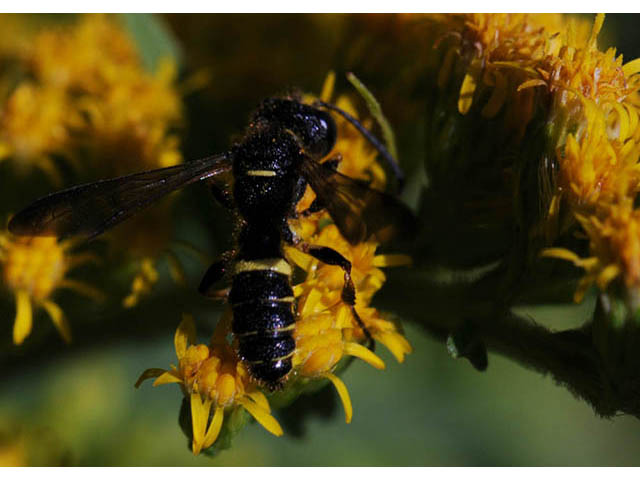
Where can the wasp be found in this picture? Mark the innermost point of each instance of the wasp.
(261, 179)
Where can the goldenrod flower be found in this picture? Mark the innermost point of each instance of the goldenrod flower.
(125, 135)
(129, 113)
(86, 56)
(551, 132)
(91, 101)
(588, 92)
(326, 330)
(130, 116)
(88, 78)
(615, 247)
(596, 115)
(33, 269)
(145, 241)
(215, 381)
(34, 125)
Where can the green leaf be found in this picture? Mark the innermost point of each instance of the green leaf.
(376, 111)
(153, 37)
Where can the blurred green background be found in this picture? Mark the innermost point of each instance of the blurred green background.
(431, 410)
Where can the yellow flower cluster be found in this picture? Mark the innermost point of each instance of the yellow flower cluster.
(33, 269)
(326, 330)
(598, 162)
(90, 91)
(502, 53)
(214, 378)
(525, 66)
(88, 100)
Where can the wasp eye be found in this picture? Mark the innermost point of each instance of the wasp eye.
(330, 133)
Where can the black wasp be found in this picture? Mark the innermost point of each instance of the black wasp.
(262, 178)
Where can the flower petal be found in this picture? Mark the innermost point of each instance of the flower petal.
(299, 258)
(167, 377)
(467, 90)
(564, 254)
(24, 317)
(536, 82)
(176, 270)
(58, 319)
(185, 334)
(83, 289)
(260, 399)
(607, 275)
(149, 373)
(263, 417)
(363, 353)
(631, 68)
(214, 429)
(498, 96)
(391, 260)
(396, 343)
(199, 418)
(341, 388)
(327, 86)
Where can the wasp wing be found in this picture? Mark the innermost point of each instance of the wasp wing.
(358, 210)
(88, 210)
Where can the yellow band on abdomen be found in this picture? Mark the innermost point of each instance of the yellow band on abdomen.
(261, 173)
(278, 265)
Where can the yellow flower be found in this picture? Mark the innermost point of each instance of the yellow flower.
(595, 102)
(33, 269)
(34, 124)
(614, 241)
(128, 112)
(130, 115)
(91, 100)
(590, 93)
(358, 156)
(145, 241)
(565, 137)
(85, 56)
(215, 381)
(88, 79)
(326, 329)
(501, 54)
(130, 121)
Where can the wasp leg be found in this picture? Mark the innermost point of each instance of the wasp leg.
(213, 275)
(331, 257)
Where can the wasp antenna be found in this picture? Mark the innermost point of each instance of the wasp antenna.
(372, 139)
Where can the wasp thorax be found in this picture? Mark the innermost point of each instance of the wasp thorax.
(315, 129)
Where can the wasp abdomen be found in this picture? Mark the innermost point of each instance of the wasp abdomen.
(263, 321)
